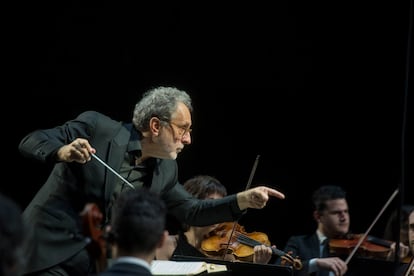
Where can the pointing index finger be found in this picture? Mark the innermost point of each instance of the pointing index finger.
(275, 193)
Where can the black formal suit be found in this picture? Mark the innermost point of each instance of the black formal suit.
(126, 269)
(54, 211)
(306, 247)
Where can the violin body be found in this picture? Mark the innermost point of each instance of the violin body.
(230, 238)
(222, 241)
(367, 249)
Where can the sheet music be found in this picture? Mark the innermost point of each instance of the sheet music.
(164, 267)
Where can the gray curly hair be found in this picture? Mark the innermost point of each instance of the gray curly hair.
(158, 102)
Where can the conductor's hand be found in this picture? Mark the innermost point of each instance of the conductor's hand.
(78, 151)
(256, 197)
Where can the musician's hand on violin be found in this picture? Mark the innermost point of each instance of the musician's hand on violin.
(78, 151)
(404, 250)
(257, 197)
(262, 254)
(334, 264)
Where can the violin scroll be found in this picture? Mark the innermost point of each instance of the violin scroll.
(288, 259)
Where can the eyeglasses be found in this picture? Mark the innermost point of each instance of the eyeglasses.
(182, 131)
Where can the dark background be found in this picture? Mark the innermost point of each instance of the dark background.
(318, 91)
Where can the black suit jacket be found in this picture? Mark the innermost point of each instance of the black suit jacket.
(305, 247)
(54, 211)
(126, 269)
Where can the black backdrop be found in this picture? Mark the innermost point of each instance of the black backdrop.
(316, 90)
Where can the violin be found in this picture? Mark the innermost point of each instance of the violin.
(241, 244)
(97, 248)
(371, 247)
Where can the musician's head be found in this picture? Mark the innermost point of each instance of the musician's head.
(138, 223)
(205, 187)
(397, 224)
(331, 210)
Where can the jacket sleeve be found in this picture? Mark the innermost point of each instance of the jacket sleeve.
(197, 212)
(43, 144)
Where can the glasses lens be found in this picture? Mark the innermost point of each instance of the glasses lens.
(181, 130)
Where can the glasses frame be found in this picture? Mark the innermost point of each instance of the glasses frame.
(182, 130)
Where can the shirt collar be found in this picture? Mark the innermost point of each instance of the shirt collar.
(321, 237)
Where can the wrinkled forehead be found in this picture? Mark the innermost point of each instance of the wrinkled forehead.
(182, 114)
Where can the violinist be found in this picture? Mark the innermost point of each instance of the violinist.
(411, 232)
(333, 220)
(391, 232)
(188, 242)
(410, 270)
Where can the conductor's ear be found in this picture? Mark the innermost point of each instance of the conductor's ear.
(155, 125)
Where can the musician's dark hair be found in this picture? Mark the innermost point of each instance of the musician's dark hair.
(325, 193)
(138, 221)
(392, 228)
(201, 186)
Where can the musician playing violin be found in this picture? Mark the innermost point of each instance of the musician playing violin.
(188, 241)
(332, 216)
(391, 231)
(324, 251)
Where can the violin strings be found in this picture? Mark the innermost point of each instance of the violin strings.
(249, 241)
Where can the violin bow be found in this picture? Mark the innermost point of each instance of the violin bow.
(108, 167)
(362, 238)
(249, 182)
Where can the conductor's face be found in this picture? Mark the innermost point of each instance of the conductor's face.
(174, 134)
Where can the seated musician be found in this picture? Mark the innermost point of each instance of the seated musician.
(188, 242)
(332, 217)
(411, 240)
(319, 254)
(391, 232)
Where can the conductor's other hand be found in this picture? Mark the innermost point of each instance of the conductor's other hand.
(257, 197)
(78, 151)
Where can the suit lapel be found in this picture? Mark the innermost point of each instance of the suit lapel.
(115, 157)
